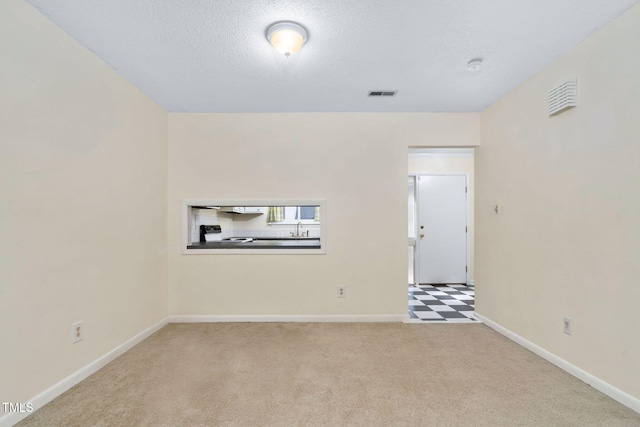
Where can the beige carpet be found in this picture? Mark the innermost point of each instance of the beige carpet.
(331, 374)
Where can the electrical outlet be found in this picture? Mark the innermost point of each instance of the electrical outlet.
(566, 325)
(77, 332)
(342, 291)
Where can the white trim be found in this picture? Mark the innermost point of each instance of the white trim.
(186, 318)
(413, 241)
(57, 389)
(441, 152)
(613, 392)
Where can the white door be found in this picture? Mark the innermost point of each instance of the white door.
(442, 229)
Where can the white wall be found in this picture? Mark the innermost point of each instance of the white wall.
(83, 178)
(450, 163)
(568, 240)
(356, 162)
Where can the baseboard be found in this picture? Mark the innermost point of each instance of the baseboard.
(615, 393)
(56, 390)
(471, 283)
(179, 318)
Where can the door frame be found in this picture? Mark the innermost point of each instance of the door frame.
(416, 213)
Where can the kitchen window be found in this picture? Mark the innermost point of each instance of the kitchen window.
(292, 215)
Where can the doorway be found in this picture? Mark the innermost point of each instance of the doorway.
(440, 255)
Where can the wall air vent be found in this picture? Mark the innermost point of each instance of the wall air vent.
(563, 97)
(383, 92)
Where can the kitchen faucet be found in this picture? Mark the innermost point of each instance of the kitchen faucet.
(298, 227)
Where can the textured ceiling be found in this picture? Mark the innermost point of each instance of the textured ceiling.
(212, 55)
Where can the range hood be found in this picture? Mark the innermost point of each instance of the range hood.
(241, 210)
(206, 207)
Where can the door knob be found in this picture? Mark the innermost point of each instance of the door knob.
(421, 235)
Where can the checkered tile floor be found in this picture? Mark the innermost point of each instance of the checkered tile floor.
(450, 303)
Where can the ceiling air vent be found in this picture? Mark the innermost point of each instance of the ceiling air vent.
(383, 92)
(563, 97)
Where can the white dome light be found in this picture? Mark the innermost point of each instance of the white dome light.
(287, 37)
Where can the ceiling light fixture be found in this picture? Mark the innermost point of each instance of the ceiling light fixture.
(474, 65)
(287, 37)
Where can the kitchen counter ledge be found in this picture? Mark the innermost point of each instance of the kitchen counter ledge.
(263, 243)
